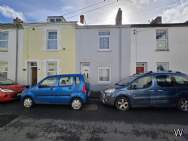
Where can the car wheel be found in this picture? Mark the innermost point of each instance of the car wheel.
(183, 104)
(122, 103)
(76, 104)
(28, 102)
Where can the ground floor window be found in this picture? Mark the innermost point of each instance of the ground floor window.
(141, 67)
(162, 66)
(51, 68)
(3, 70)
(104, 74)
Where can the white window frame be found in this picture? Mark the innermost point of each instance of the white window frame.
(5, 49)
(5, 71)
(52, 61)
(104, 36)
(47, 32)
(104, 82)
(165, 40)
(166, 63)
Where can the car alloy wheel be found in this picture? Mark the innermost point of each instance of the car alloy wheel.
(122, 104)
(76, 104)
(183, 104)
(28, 102)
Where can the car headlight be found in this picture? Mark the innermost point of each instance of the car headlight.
(6, 90)
(110, 90)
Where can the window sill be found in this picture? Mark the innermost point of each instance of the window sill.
(162, 50)
(52, 50)
(104, 82)
(104, 50)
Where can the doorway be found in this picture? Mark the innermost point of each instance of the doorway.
(85, 68)
(32, 73)
(141, 67)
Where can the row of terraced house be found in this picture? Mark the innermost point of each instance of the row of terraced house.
(104, 53)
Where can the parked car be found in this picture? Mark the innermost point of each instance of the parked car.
(10, 84)
(152, 89)
(7, 95)
(10, 90)
(57, 89)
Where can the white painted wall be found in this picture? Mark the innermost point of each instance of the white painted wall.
(10, 56)
(143, 48)
(87, 50)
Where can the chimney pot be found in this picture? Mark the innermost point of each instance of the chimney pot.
(119, 17)
(82, 19)
(157, 20)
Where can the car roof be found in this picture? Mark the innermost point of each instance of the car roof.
(59, 75)
(162, 72)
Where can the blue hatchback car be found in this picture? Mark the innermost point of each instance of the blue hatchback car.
(152, 89)
(58, 89)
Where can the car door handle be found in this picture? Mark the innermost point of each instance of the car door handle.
(151, 90)
(160, 90)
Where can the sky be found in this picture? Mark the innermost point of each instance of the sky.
(95, 11)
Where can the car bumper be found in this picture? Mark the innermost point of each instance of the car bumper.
(106, 99)
(7, 98)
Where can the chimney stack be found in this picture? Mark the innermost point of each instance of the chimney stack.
(119, 17)
(157, 20)
(18, 22)
(82, 19)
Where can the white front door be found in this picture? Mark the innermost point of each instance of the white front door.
(85, 68)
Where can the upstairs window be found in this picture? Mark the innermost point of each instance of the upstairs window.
(162, 40)
(4, 41)
(104, 39)
(52, 40)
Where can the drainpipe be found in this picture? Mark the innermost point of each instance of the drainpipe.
(16, 70)
(120, 53)
(18, 23)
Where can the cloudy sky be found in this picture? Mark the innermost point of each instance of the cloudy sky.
(95, 11)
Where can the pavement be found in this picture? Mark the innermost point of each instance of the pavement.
(95, 122)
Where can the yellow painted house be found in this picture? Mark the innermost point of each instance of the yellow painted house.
(47, 49)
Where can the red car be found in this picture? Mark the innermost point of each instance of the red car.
(7, 95)
(9, 90)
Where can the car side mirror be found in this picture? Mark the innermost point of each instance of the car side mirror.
(27, 86)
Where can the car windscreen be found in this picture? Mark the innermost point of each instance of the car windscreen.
(127, 80)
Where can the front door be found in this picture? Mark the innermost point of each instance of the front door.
(141, 67)
(34, 75)
(45, 91)
(141, 90)
(85, 68)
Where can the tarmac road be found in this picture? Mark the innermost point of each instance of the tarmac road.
(95, 122)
